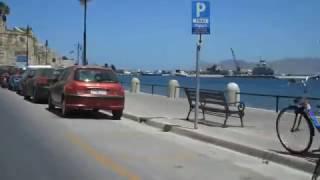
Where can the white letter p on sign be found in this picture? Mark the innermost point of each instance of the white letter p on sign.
(201, 7)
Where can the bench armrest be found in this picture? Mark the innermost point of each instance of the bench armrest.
(241, 105)
(237, 102)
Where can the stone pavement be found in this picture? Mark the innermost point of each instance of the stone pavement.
(258, 137)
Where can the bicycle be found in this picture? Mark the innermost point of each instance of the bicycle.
(316, 171)
(298, 121)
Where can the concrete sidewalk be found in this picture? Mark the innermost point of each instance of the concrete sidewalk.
(258, 137)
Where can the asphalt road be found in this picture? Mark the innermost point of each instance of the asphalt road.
(38, 144)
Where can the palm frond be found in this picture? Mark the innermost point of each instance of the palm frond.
(83, 1)
(2, 4)
(4, 9)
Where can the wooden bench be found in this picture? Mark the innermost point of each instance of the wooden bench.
(211, 101)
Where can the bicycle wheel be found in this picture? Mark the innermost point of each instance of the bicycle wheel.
(294, 130)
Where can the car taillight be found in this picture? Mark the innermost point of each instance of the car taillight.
(42, 81)
(121, 91)
(70, 88)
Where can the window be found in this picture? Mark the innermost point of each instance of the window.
(31, 73)
(65, 74)
(22, 39)
(95, 75)
(45, 72)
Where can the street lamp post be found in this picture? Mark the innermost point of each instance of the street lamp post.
(27, 34)
(78, 53)
(85, 34)
(84, 60)
(47, 44)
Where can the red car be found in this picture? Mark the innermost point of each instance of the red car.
(87, 88)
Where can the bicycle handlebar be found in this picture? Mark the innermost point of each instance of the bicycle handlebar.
(305, 81)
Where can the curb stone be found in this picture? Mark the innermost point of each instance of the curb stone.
(245, 149)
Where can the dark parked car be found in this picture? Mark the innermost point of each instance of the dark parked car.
(27, 74)
(37, 84)
(87, 88)
(14, 82)
(24, 77)
(4, 79)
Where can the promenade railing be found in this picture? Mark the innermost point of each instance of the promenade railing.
(278, 97)
(268, 101)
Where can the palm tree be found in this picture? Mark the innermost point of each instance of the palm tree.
(4, 10)
(85, 2)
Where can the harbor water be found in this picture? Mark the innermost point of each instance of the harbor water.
(266, 86)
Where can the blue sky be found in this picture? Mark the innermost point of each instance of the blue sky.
(156, 34)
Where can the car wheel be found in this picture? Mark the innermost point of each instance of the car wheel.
(50, 105)
(64, 110)
(35, 98)
(116, 115)
(26, 97)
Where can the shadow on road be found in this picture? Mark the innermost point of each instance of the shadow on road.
(309, 156)
(214, 124)
(30, 100)
(82, 115)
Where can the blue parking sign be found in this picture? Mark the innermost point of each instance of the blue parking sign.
(200, 17)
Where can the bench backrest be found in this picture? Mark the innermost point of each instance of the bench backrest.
(213, 97)
(208, 97)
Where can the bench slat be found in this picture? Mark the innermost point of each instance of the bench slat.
(219, 98)
(214, 102)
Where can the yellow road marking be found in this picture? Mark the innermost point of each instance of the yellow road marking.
(102, 159)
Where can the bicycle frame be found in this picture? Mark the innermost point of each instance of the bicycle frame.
(306, 107)
(314, 119)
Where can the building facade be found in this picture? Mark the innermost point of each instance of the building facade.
(17, 46)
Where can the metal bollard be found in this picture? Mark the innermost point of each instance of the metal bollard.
(135, 85)
(233, 91)
(173, 89)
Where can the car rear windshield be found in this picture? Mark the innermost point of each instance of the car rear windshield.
(45, 72)
(95, 75)
(17, 76)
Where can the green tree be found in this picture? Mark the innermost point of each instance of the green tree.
(4, 10)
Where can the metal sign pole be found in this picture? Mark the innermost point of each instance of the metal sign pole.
(198, 83)
(200, 25)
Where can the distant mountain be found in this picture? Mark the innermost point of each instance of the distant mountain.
(307, 65)
(296, 65)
